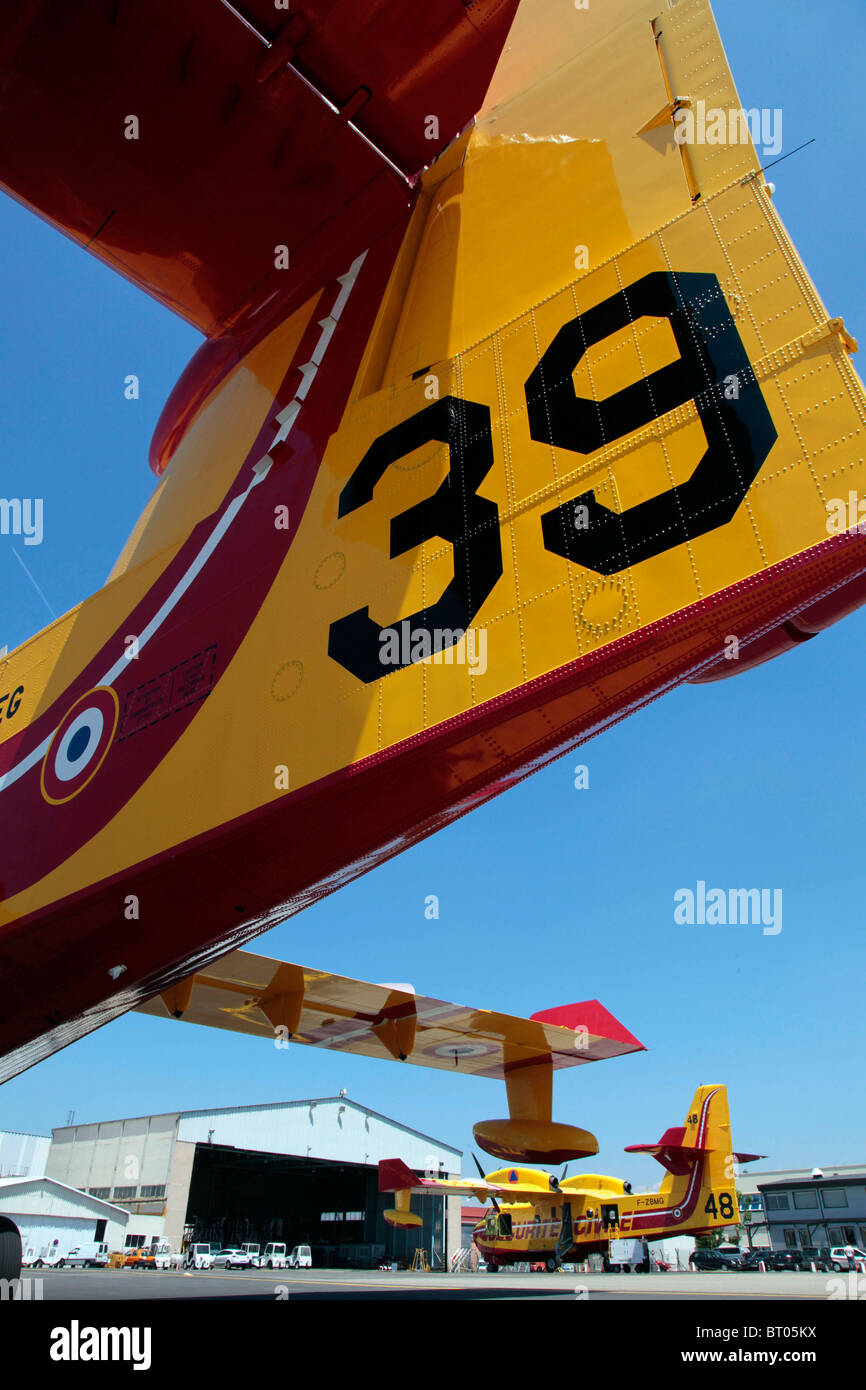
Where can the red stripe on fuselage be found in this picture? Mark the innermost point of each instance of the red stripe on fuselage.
(218, 607)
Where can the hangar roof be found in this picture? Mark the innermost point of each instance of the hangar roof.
(326, 1127)
(48, 1197)
(323, 1100)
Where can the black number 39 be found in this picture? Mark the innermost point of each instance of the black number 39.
(713, 370)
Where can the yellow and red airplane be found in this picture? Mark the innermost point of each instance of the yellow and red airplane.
(514, 409)
(538, 1218)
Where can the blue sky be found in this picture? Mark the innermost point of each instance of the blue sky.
(549, 894)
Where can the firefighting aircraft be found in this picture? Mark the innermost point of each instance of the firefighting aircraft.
(513, 407)
(539, 1218)
(284, 1003)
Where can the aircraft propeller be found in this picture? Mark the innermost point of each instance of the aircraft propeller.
(484, 1179)
(556, 1183)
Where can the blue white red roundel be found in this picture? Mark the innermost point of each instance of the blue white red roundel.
(79, 745)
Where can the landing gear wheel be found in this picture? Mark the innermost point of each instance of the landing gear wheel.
(551, 1265)
(492, 1267)
(10, 1252)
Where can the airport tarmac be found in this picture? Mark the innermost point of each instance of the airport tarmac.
(320, 1284)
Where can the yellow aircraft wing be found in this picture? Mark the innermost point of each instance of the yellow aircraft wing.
(272, 999)
(279, 1001)
(396, 1176)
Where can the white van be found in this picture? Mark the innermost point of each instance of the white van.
(93, 1255)
(301, 1257)
(275, 1255)
(199, 1256)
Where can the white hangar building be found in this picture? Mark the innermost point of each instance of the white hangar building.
(303, 1171)
(53, 1218)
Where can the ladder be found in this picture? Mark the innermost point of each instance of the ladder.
(420, 1263)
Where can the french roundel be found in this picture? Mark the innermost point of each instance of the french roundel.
(79, 745)
(458, 1050)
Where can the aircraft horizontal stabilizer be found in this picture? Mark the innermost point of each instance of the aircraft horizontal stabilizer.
(670, 1152)
(327, 108)
(706, 1131)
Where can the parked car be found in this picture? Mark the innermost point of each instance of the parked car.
(301, 1258)
(785, 1259)
(812, 1255)
(755, 1257)
(141, 1257)
(715, 1259)
(839, 1260)
(232, 1258)
(93, 1255)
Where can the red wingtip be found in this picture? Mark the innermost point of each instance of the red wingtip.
(747, 1158)
(593, 1016)
(395, 1176)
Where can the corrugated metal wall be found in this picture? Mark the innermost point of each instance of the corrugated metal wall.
(115, 1153)
(23, 1155)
